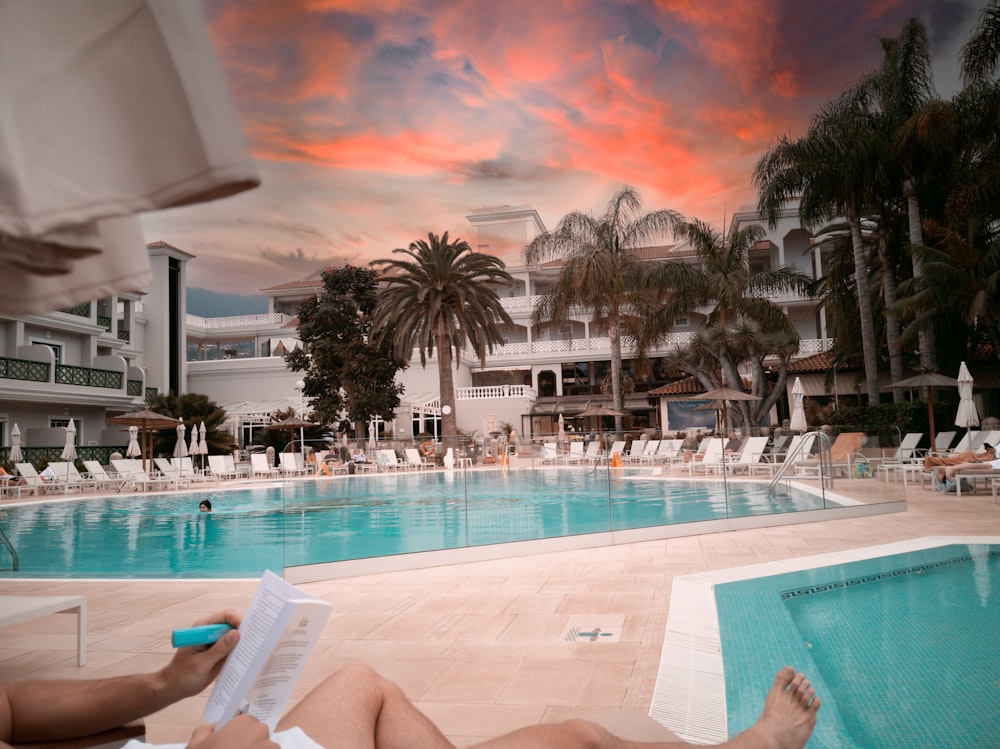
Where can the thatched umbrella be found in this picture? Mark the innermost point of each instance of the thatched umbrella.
(929, 380)
(292, 423)
(723, 395)
(147, 421)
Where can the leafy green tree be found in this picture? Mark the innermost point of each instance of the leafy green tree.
(601, 270)
(192, 408)
(349, 377)
(743, 325)
(439, 296)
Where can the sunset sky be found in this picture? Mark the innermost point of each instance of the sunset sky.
(376, 122)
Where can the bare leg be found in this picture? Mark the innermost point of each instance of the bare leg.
(787, 721)
(355, 708)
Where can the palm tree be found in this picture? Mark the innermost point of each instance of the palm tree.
(601, 270)
(833, 168)
(438, 296)
(981, 52)
(743, 326)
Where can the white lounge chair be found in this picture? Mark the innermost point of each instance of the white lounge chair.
(260, 467)
(749, 455)
(96, 472)
(415, 459)
(387, 461)
(290, 465)
(32, 481)
(135, 476)
(172, 473)
(217, 467)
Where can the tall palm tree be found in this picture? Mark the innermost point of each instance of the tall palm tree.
(439, 297)
(981, 53)
(601, 270)
(743, 326)
(833, 168)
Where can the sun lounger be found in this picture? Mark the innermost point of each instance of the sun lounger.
(134, 476)
(749, 455)
(96, 472)
(290, 465)
(32, 481)
(218, 467)
(259, 467)
(416, 460)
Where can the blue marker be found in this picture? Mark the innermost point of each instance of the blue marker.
(203, 635)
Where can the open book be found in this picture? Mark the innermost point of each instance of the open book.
(278, 632)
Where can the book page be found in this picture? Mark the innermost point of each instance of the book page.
(264, 624)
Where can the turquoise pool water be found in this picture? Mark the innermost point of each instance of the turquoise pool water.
(309, 522)
(903, 649)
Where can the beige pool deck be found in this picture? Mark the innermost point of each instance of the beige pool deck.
(481, 647)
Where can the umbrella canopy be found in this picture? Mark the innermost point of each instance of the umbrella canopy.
(133, 450)
(203, 442)
(798, 421)
(15, 455)
(967, 416)
(69, 450)
(147, 422)
(180, 447)
(724, 394)
(927, 380)
(291, 424)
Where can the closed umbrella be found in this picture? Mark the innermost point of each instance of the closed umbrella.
(69, 449)
(798, 422)
(193, 447)
(203, 444)
(180, 447)
(15, 455)
(968, 416)
(133, 450)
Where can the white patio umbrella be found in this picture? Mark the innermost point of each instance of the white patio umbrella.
(798, 421)
(15, 455)
(562, 429)
(967, 415)
(203, 443)
(69, 449)
(133, 450)
(180, 447)
(193, 447)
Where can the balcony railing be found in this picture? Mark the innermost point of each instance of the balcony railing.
(134, 388)
(23, 369)
(80, 310)
(123, 335)
(246, 322)
(100, 378)
(492, 392)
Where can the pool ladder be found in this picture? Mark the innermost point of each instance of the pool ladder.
(825, 460)
(4, 541)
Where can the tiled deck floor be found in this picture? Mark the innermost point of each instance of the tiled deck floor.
(477, 646)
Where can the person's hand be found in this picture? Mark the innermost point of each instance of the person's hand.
(242, 732)
(194, 668)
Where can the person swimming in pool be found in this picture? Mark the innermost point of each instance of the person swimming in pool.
(354, 707)
(205, 506)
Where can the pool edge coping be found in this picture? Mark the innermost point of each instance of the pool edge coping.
(689, 696)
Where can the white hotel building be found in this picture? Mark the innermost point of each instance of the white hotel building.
(100, 359)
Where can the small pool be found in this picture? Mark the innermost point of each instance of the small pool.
(311, 522)
(902, 648)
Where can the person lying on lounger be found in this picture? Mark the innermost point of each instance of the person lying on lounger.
(353, 708)
(948, 473)
(987, 453)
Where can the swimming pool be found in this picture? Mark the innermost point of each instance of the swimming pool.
(901, 646)
(311, 522)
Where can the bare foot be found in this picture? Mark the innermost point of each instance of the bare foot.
(788, 718)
